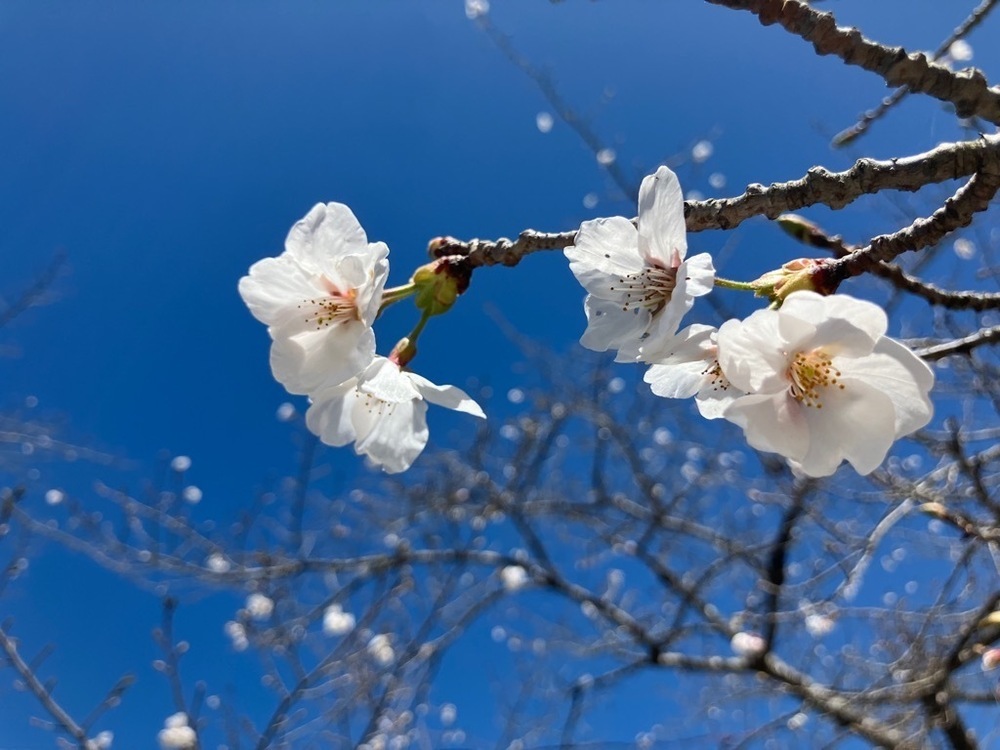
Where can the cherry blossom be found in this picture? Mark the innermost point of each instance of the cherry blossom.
(688, 366)
(383, 411)
(823, 382)
(319, 299)
(638, 282)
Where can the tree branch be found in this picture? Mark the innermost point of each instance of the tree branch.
(966, 89)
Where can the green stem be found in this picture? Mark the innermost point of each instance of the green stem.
(418, 328)
(743, 286)
(395, 294)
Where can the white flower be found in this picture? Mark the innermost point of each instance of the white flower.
(747, 644)
(383, 412)
(513, 578)
(823, 382)
(336, 621)
(176, 734)
(689, 366)
(639, 284)
(319, 299)
(259, 606)
(380, 649)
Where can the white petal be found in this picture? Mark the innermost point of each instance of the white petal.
(699, 274)
(751, 352)
(680, 369)
(369, 296)
(772, 422)
(662, 229)
(329, 415)
(603, 252)
(325, 234)
(902, 376)
(680, 380)
(611, 327)
(713, 400)
(447, 396)
(855, 423)
(818, 309)
(396, 436)
(275, 287)
(319, 359)
(385, 381)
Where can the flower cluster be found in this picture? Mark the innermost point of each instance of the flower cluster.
(815, 380)
(319, 300)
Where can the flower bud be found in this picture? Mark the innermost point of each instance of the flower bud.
(439, 283)
(441, 246)
(403, 352)
(794, 276)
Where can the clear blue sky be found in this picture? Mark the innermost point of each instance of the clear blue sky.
(167, 146)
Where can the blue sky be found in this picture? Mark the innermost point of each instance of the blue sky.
(164, 147)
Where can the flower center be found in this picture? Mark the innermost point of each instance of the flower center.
(715, 376)
(649, 288)
(336, 307)
(810, 373)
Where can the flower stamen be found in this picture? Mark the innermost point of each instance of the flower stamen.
(810, 373)
(338, 307)
(716, 378)
(649, 288)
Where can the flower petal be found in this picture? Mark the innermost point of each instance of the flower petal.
(311, 361)
(396, 437)
(821, 310)
(325, 234)
(274, 287)
(900, 374)
(447, 396)
(329, 415)
(661, 226)
(603, 252)
(751, 352)
(611, 327)
(855, 423)
(386, 382)
(699, 274)
(772, 422)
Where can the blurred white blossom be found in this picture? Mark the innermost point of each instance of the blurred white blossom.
(176, 734)
(259, 607)
(380, 649)
(336, 621)
(747, 644)
(513, 578)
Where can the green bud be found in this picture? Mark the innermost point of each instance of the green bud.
(439, 283)
(795, 275)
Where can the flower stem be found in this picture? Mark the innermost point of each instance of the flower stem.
(395, 294)
(743, 286)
